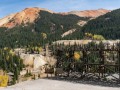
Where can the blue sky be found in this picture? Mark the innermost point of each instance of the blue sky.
(11, 6)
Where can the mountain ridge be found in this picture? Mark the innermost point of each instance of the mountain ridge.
(29, 15)
(34, 27)
(88, 13)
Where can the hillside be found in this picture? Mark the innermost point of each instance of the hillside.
(107, 25)
(37, 26)
(6, 19)
(88, 13)
(46, 28)
(28, 15)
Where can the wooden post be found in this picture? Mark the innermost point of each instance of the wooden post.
(84, 60)
(119, 65)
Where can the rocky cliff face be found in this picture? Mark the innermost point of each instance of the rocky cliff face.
(6, 19)
(88, 13)
(29, 15)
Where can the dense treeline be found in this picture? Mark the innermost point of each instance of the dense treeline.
(47, 28)
(10, 63)
(107, 25)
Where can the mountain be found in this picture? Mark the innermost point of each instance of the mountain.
(30, 25)
(28, 15)
(36, 26)
(107, 25)
(6, 19)
(88, 13)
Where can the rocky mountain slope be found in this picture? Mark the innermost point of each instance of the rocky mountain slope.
(6, 19)
(30, 26)
(108, 26)
(88, 13)
(29, 15)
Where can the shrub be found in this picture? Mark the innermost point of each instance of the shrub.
(3, 80)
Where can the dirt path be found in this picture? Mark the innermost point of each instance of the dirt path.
(45, 84)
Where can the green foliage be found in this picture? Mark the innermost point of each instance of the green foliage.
(28, 74)
(92, 54)
(98, 37)
(10, 63)
(93, 37)
(51, 26)
(3, 80)
(107, 25)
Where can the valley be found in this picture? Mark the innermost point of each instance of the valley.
(37, 43)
